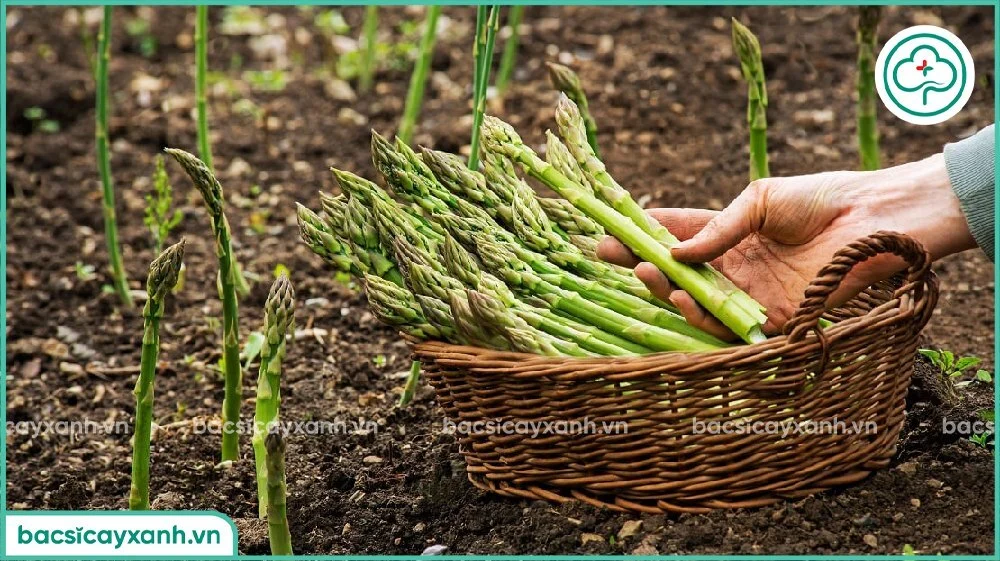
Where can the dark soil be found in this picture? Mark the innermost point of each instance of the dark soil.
(665, 91)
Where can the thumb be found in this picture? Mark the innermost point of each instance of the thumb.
(742, 217)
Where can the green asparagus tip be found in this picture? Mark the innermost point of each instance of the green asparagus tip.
(488, 309)
(307, 219)
(279, 309)
(163, 271)
(356, 185)
(382, 150)
(747, 46)
(563, 78)
(570, 120)
(459, 262)
(202, 177)
(498, 136)
(868, 18)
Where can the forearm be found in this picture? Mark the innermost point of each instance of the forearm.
(970, 168)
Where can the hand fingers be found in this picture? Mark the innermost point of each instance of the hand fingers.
(698, 317)
(654, 279)
(741, 218)
(613, 251)
(660, 287)
(683, 223)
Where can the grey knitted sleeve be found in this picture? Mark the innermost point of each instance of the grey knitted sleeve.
(970, 169)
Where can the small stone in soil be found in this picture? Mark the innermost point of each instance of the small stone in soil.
(629, 528)
(871, 540)
(435, 550)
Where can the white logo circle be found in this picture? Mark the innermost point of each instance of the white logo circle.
(924, 75)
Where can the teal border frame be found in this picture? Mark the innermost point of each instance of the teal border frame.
(3, 266)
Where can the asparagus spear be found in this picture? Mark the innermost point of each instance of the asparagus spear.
(162, 277)
(500, 175)
(471, 329)
(529, 223)
(515, 273)
(415, 94)
(606, 292)
(532, 226)
(370, 27)
(321, 241)
(366, 191)
(363, 237)
(482, 52)
(501, 179)
(277, 518)
(567, 82)
(715, 296)
(200, 82)
(410, 388)
(396, 306)
(522, 337)
(414, 182)
(570, 219)
(506, 70)
(464, 267)
(438, 314)
(748, 49)
(451, 173)
(279, 315)
(617, 209)
(104, 162)
(211, 192)
(390, 227)
(335, 209)
(868, 18)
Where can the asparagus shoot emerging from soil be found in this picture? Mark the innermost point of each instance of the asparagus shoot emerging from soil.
(277, 516)
(506, 70)
(410, 388)
(200, 83)
(748, 49)
(868, 19)
(482, 53)
(713, 291)
(566, 81)
(279, 315)
(370, 29)
(119, 279)
(163, 274)
(415, 95)
(211, 192)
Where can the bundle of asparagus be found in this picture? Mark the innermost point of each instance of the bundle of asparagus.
(477, 258)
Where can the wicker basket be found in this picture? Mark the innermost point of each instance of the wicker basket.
(856, 371)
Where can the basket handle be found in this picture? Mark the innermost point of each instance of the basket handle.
(829, 277)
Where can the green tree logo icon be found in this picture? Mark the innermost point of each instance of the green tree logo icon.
(924, 75)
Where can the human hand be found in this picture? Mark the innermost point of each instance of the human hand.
(779, 232)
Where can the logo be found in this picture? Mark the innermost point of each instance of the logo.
(924, 75)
